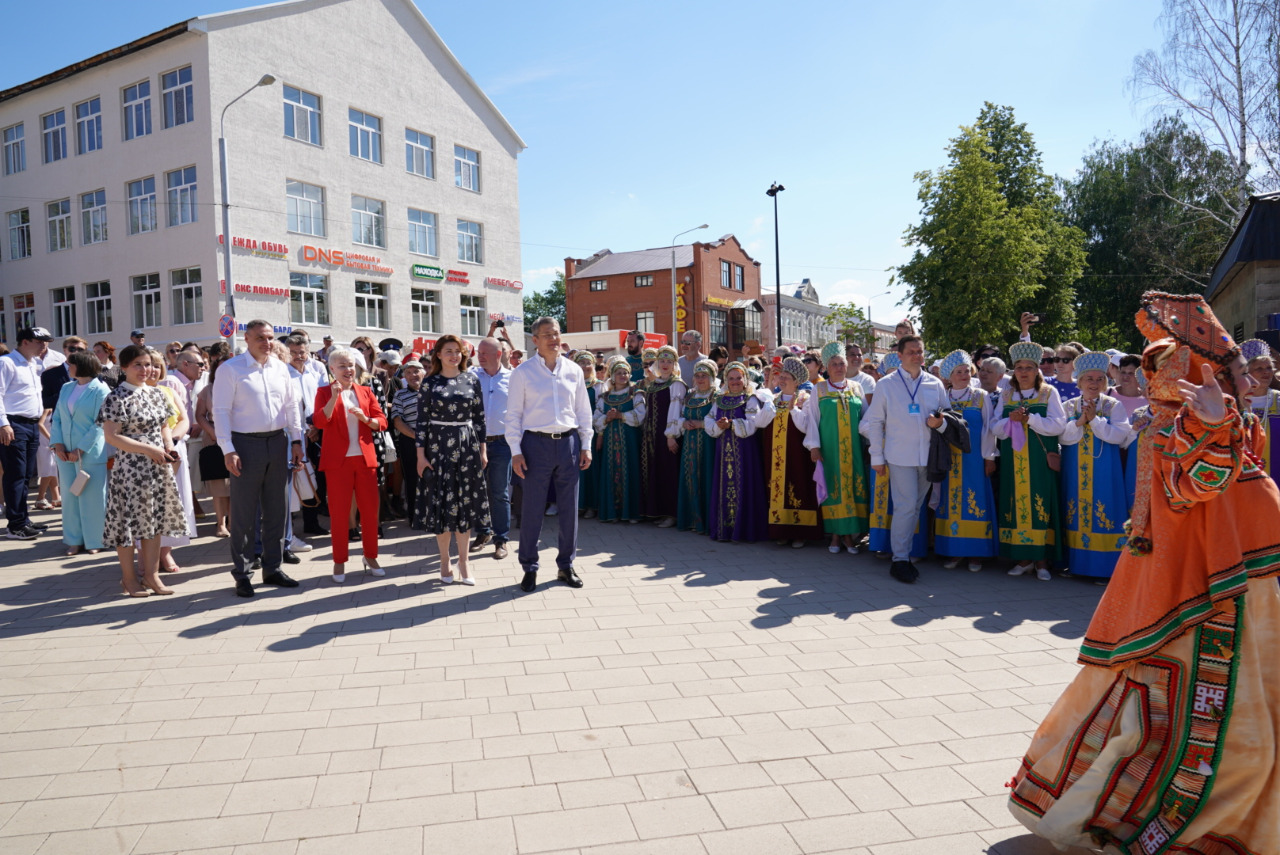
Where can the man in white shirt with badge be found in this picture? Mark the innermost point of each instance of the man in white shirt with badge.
(549, 433)
(897, 424)
(21, 406)
(257, 418)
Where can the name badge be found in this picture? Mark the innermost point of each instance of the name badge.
(914, 409)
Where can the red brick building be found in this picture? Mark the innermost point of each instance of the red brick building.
(718, 292)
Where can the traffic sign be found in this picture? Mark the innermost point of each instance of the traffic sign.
(226, 326)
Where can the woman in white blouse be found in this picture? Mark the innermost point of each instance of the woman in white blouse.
(738, 499)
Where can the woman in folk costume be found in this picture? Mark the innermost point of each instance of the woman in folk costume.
(619, 413)
(738, 497)
(697, 451)
(1264, 402)
(1030, 419)
(664, 393)
(964, 521)
(793, 497)
(834, 410)
(880, 518)
(1093, 490)
(1166, 740)
(589, 478)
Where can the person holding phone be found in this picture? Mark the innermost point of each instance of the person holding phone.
(142, 496)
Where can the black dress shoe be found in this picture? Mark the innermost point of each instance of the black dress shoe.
(904, 571)
(290, 558)
(244, 588)
(570, 578)
(353, 534)
(481, 540)
(316, 530)
(529, 582)
(257, 563)
(279, 580)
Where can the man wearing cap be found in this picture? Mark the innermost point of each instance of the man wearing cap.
(494, 386)
(138, 337)
(20, 409)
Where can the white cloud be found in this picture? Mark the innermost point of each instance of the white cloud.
(540, 277)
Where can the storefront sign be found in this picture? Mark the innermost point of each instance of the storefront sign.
(278, 329)
(682, 311)
(262, 290)
(260, 248)
(459, 276)
(650, 339)
(504, 283)
(357, 261)
(720, 301)
(422, 346)
(427, 271)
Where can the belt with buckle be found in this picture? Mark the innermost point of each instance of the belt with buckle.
(495, 437)
(560, 435)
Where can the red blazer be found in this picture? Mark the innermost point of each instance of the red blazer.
(334, 442)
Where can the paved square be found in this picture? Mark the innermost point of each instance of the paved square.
(694, 697)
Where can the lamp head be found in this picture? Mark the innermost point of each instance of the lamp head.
(267, 80)
(775, 189)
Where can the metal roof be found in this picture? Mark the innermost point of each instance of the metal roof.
(637, 261)
(1256, 238)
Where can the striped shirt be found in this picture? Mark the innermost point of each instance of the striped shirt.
(405, 405)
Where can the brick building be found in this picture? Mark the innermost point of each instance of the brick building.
(718, 292)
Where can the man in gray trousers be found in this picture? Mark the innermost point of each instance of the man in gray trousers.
(256, 418)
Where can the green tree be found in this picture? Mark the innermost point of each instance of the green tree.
(549, 303)
(852, 325)
(1129, 200)
(991, 242)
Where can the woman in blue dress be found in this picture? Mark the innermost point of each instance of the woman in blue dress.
(619, 414)
(77, 440)
(964, 522)
(739, 503)
(697, 451)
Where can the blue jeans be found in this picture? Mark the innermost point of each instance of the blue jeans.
(498, 474)
(549, 464)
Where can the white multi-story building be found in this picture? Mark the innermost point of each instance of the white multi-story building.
(373, 185)
(804, 318)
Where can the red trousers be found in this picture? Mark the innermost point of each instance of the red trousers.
(353, 476)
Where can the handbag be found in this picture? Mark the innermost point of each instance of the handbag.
(1053, 459)
(82, 480)
(213, 464)
(304, 485)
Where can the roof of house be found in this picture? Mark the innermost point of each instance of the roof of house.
(1256, 238)
(608, 263)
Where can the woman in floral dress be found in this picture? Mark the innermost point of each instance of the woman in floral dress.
(453, 495)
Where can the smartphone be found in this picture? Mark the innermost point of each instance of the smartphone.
(173, 455)
(499, 323)
(1037, 318)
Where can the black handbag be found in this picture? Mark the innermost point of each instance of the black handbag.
(213, 464)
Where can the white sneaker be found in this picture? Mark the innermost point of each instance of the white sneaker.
(951, 563)
(975, 567)
(552, 510)
(1019, 569)
(1043, 574)
(296, 544)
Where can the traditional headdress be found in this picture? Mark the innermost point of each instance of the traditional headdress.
(616, 362)
(649, 353)
(1254, 348)
(1025, 350)
(1187, 319)
(891, 362)
(1091, 361)
(954, 360)
(830, 349)
(796, 369)
(738, 365)
(585, 357)
(666, 352)
(706, 366)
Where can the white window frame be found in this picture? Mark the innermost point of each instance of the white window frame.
(19, 223)
(726, 274)
(368, 221)
(599, 285)
(599, 323)
(470, 242)
(89, 125)
(177, 90)
(472, 309)
(645, 321)
(143, 216)
(364, 135)
(424, 233)
(53, 136)
(135, 103)
(93, 217)
(187, 294)
(419, 153)
(145, 289)
(372, 304)
(305, 208)
(309, 299)
(64, 310)
(302, 110)
(466, 168)
(59, 220)
(424, 306)
(181, 196)
(645, 281)
(15, 148)
(24, 311)
(97, 308)
(739, 277)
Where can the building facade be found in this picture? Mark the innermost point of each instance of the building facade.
(1244, 287)
(717, 292)
(373, 192)
(805, 321)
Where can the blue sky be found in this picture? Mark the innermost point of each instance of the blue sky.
(644, 119)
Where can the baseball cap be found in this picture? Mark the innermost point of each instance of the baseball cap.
(328, 338)
(138, 334)
(391, 357)
(34, 333)
(412, 362)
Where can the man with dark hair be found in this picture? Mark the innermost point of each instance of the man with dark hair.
(21, 406)
(635, 354)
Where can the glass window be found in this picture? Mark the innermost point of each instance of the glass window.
(301, 115)
(726, 274)
(15, 149)
(644, 281)
(64, 311)
(142, 206)
(20, 233)
(137, 110)
(97, 307)
(59, 215)
(365, 133)
(717, 327)
(425, 306)
(305, 203)
(470, 242)
(179, 97)
(53, 130)
(422, 232)
(368, 221)
(93, 217)
(181, 186)
(599, 284)
(472, 315)
(644, 321)
(188, 296)
(737, 277)
(24, 311)
(466, 168)
(599, 323)
(371, 306)
(146, 300)
(4, 330)
(419, 153)
(309, 298)
(89, 126)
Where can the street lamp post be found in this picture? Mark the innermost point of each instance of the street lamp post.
(675, 324)
(266, 80)
(773, 191)
(869, 322)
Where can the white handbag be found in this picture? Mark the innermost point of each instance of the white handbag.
(82, 481)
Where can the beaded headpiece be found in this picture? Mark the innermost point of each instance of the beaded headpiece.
(666, 352)
(1254, 348)
(706, 366)
(585, 357)
(1027, 351)
(796, 369)
(891, 362)
(616, 362)
(830, 349)
(1187, 319)
(954, 360)
(649, 353)
(736, 365)
(1091, 361)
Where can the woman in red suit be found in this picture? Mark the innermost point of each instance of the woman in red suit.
(347, 414)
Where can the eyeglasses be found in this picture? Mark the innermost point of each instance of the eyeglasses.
(74, 348)
(808, 360)
(1050, 361)
(174, 350)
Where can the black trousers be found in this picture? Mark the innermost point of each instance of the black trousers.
(407, 451)
(19, 461)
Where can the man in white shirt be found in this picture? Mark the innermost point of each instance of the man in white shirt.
(691, 347)
(21, 406)
(549, 432)
(867, 383)
(494, 387)
(897, 423)
(257, 419)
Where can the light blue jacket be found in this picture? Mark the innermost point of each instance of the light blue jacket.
(80, 430)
